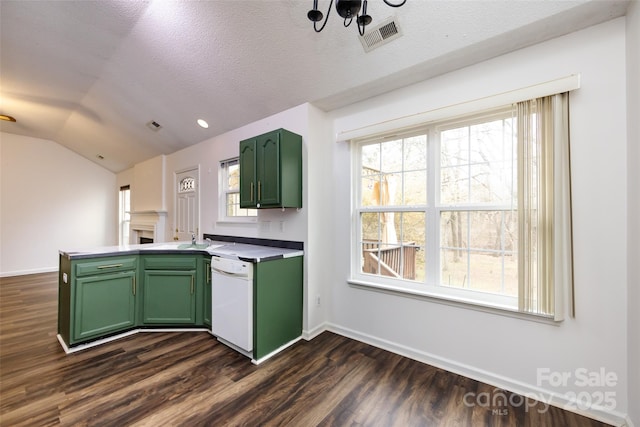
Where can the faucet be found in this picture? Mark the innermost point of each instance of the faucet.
(193, 238)
(209, 241)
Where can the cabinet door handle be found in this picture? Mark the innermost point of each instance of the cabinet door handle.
(208, 274)
(259, 188)
(100, 267)
(192, 284)
(134, 285)
(251, 187)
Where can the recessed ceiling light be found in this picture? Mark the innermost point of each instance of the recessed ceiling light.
(7, 118)
(203, 124)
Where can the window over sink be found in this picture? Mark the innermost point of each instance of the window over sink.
(230, 194)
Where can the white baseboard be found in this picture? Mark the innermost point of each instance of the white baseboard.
(274, 352)
(311, 334)
(26, 272)
(101, 341)
(611, 417)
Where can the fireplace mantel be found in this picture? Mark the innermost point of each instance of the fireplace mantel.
(150, 224)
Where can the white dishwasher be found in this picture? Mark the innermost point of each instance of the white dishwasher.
(232, 303)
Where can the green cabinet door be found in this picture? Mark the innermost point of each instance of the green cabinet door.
(271, 170)
(247, 163)
(207, 291)
(169, 297)
(268, 169)
(277, 304)
(103, 304)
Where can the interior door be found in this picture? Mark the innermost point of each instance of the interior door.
(187, 205)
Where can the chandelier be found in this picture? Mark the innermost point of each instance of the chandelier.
(348, 9)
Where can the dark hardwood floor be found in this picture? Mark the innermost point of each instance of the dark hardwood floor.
(189, 379)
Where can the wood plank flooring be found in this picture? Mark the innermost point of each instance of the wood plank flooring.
(189, 379)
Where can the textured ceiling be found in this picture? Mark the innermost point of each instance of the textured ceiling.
(91, 74)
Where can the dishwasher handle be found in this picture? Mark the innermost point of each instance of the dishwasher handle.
(228, 274)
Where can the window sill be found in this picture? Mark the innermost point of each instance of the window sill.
(452, 301)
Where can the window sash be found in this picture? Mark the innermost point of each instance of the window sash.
(242, 215)
(124, 214)
(560, 241)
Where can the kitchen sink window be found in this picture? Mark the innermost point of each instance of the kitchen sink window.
(230, 194)
(475, 209)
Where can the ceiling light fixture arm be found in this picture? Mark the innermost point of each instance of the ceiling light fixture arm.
(315, 15)
(394, 5)
(363, 20)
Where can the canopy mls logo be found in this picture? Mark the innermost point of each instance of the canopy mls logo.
(500, 401)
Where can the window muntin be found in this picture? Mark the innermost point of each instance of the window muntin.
(230, 193)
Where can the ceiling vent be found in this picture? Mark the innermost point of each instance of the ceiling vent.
(381, 34)
(154, 126)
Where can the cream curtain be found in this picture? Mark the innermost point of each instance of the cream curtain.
(384, 193)
(544, 206)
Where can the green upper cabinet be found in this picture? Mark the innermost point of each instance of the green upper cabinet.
(248, 173)
(271, 170)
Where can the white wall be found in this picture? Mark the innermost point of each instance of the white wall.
(207, 156)
(321, 240)
(51, 199)
(633, 138)
(498, 349)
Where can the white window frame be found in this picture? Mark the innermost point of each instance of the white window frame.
(224, 191)
(430, 288)
(124, 216)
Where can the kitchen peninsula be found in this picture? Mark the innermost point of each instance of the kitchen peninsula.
(107, 293)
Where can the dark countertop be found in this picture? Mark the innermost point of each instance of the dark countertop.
(224, 249)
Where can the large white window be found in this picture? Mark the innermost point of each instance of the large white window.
(463, 209)
(230, 194)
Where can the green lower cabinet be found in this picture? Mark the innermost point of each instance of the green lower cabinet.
(104, 304)
(207, 292)
(169, 297)
(96, 297)
(277, 315)
(103, 296)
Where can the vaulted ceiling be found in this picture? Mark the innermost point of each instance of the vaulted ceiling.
(91, 75)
